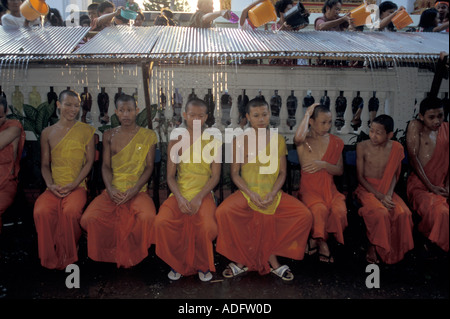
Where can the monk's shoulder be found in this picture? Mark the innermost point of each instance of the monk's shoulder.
(13, 123)
(397, 146)
(150, 135)
(415, 127)
(336, 140)
(86, 127)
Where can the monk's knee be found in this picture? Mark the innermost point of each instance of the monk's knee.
(86, 220)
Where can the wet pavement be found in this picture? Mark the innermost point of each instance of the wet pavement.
(417, 277)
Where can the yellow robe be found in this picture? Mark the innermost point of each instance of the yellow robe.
(129, 164)
(186, 242)
(69, 156)
(57, 220)
(262, 184)
(123, 234)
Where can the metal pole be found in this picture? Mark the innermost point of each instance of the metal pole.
(146, 71)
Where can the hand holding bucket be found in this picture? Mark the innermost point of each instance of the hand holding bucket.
(402, 19)
(262, 13)
(360, 15)
(33, 9)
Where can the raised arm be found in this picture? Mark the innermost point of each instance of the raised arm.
(331, 24)
(302, 130)
(244, 14)
(210, 17)
(385, 22)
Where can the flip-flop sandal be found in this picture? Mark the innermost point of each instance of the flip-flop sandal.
(326, 259)
(235, 271)
(283, 272)
(311, 250)
(173, 275)
(205, 276)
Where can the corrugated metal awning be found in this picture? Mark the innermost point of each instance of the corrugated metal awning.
(181, 42)
(41, 41)
(122, 40)
(130, 44)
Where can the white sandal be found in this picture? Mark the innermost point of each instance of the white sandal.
(283, 272)
(205, 276)
(173, 275)
(235, 270)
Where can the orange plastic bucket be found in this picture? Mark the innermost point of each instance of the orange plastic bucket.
(360, 15)
(402, 19)
(33, 9)
(262, 14)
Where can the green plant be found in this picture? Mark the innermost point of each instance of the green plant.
(35, 119)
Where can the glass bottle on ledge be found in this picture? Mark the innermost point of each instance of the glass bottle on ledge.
(275, 107)
(292, 104)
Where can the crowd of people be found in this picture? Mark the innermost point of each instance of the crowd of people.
(259, 222)
(253, 226)
(101, 15)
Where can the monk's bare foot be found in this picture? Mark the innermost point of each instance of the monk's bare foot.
(311, 247)
(324, 252)
(371, 256)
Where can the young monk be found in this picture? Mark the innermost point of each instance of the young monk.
(428, 185)
(67, 156)
(119, 221)
(12, 139)
(185, 226)
(320, 155)
(388, 220)
(260, 222)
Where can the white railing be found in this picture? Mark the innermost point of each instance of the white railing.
(396, 88)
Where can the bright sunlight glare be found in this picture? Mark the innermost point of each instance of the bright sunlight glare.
(192, 3)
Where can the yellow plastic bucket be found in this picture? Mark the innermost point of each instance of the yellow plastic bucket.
(402, 19)
(262, 14)
(33, 9)
(360, 15)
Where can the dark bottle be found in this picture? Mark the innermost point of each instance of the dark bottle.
(275, 107)
(192, 95)
(374, 103)
(86, 105)
(292, 104)
(308, 100)
(225, 103)
(209, 99)
(118, 94)
(242, 103)
(341, 106)
(103, 105)
(325, 100)
(261, 96)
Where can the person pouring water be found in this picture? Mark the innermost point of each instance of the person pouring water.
(14, 18)
(205, 14)
(283, 8)
(331, 20)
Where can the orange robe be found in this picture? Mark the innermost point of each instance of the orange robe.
(389, 230)
(57, 219)
(433, 209)
(185, 242)
(123, 234)
(318, 192)
(250, 236)
(9, 169)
